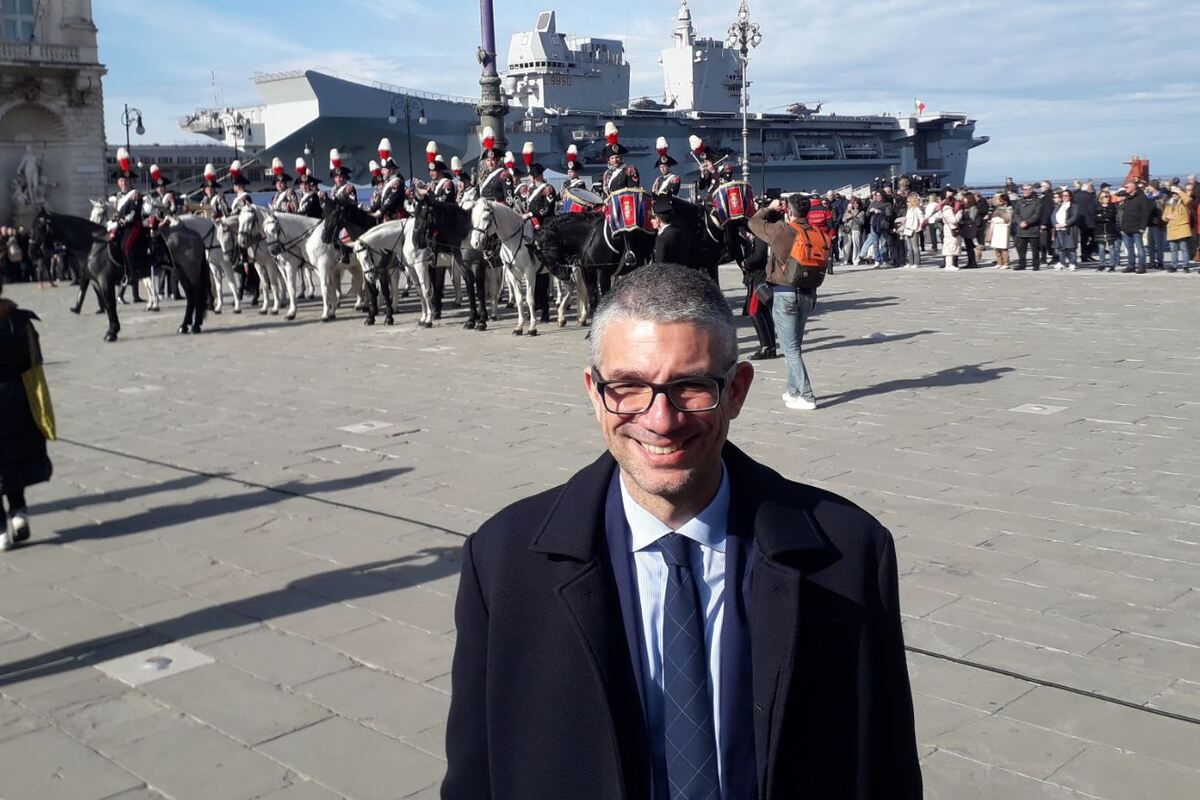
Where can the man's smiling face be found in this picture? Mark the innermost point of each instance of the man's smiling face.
(666, 453)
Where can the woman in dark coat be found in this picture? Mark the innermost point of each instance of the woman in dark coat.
(23, 458)
(1066, 229)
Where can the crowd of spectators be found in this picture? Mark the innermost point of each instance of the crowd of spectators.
(1138, 226)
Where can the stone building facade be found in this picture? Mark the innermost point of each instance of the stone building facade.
(51, 108)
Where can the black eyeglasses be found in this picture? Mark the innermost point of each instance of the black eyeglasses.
(691, 395)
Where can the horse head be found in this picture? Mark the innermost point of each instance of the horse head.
(99, 211)
(483, 222)
(424, 222)
(249, 227)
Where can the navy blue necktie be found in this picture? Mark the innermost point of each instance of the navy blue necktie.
(691, 751)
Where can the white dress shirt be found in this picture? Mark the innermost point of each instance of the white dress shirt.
(650, 572)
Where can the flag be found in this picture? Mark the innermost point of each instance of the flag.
(920, 104)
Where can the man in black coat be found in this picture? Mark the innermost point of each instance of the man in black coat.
(671, 245)
(591, 660)
(1135, 213)
(1085, 204)
(1027, 226)
(1046, 222)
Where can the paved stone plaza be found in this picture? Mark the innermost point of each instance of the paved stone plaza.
(275, 511)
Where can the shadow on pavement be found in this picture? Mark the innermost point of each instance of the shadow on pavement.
(865, 340)
(951, 376)
(178, 513)
(118, 495)
(304, 594)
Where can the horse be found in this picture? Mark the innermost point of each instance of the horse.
(711, 244)
(393, 243)
(276, 274)
(515, 234)
(323, 248)
(183, 250)
(219, 248)
(447, 227)
(582, 241)
(103, 212)
(286, 236)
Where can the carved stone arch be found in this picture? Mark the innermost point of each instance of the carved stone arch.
(31, 123)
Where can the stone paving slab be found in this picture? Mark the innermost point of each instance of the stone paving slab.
(223, 491)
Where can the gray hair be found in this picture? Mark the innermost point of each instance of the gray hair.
(667, 293)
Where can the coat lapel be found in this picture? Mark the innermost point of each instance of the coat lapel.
(574, 530)
(786, 537)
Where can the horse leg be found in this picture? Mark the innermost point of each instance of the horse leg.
(530, 288)
(389, 313)
(237, 301)
(564, 299)
(84, 285)
(426, 264)
(218, 295)
(264, 280)
(581, 291)
(108, 291)
(372, 297)
(325, 273)
(456, 279)
(289, 282)
(357, 286)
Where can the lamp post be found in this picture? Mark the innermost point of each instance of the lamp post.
(235, 123)
(409, 105)
(492, 103)
(128, 117)
(744, 35)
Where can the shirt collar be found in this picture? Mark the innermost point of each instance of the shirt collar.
(707, 528)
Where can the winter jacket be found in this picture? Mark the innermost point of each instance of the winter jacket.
(1106, 223)
(1029, 211)
(1175, 214)
(1135, 212)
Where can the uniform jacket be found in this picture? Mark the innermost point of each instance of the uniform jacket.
(545, 701)
(444, 190)
(617, 179)
(218, 204)
(666, 184)
(129, 208)
(542, 202)
(496, 184)
(310, 205)
(391, 198)
(284, 200)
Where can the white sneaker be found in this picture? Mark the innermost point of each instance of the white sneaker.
(787, 396)
(6, 539)
(19, 522)
(1071, 268)
(800, 404)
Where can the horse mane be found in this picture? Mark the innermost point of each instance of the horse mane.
(76, 233)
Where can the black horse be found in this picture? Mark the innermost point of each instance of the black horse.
(446, 228)
(181, 250)
(565, 241)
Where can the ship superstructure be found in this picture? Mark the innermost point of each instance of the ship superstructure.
(561, 91)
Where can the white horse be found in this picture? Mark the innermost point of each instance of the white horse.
(394, 240)
(515, 234)
(286, 236)
(219, 246)
(275, 273)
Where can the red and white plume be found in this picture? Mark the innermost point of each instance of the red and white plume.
(277, 166)
(373, 165)
(610, 133)
(510, 160)
(210, 172)
(385, 149)
(527, 154)
(155, 173)
(335, 158)
(696, 143)
(456, 165)
(123, 158)
(235, 169)
(431, 153)
(487, 138)
(301, 167)
(572, 154)
(662, 146)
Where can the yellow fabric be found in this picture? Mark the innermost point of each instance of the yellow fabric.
(37, 391)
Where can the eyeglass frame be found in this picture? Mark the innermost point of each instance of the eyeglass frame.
(723, 382)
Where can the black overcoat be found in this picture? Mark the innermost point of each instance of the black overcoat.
(23, 457)
(545, 703)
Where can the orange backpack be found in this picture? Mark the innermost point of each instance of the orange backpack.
(809, 258)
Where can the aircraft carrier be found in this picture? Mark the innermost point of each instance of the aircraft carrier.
(562, 89)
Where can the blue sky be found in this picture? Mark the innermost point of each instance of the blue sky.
(1064, 88)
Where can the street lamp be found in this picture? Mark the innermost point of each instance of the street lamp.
(409, 105)
(743, 35)
(128, 117)
(309, 144)
(235, 123)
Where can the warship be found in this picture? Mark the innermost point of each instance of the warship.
(561, 90)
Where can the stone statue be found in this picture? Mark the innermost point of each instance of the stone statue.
(30, 173)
